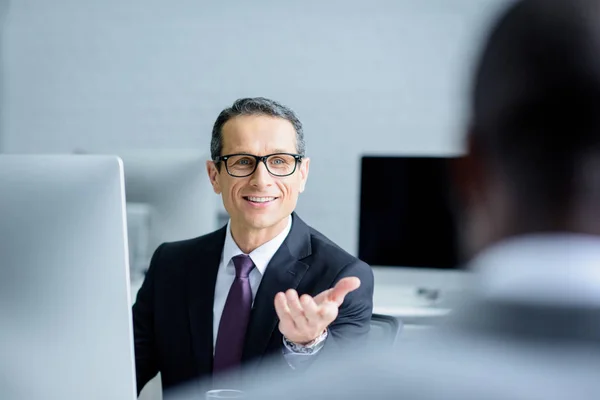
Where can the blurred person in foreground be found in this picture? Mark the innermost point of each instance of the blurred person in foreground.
(530, 326)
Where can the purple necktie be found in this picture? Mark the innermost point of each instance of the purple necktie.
(235, 317)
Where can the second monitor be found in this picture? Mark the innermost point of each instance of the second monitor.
(169, 198)
(410, 231)
(408, 213)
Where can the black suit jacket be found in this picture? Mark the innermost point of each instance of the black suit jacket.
(173, 312)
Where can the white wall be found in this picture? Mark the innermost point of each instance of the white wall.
(365, 76)
(3, 11)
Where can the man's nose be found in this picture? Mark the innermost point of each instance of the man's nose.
(261, 177)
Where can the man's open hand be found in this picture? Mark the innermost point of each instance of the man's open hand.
(302, 320)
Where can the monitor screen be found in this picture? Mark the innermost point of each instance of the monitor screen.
(408, 213)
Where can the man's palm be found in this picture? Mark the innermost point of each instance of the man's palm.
(302, 320)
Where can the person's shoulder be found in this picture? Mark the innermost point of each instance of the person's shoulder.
(322, 246)
(171, 260)
(212, 241)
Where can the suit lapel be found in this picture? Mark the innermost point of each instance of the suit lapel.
(202, 276)
(285, 271)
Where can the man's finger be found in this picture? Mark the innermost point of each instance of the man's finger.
(323, 296)
(311, 310)
(282, 309)
(343, 287)
(328, 312)
(296, 308)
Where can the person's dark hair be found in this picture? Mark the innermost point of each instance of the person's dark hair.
(536, 96)
(255, 106)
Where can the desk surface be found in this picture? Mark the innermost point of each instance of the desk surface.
(407, 311)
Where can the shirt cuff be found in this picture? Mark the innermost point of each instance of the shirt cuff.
(309, 349)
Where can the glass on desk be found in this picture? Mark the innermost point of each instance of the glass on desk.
(224, 394)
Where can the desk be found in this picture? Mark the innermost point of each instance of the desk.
(411, 312)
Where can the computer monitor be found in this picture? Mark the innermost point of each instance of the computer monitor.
(169, 198)
(409, 228)
(65, 316)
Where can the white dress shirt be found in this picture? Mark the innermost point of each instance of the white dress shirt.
(542, 269)
(261, 257)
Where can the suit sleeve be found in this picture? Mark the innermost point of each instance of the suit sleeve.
(349, 331)
(352, 326)
(146, 364)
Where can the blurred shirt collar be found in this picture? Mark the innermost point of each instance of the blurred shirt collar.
(557, 269)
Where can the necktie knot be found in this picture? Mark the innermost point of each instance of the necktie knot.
(243, 265)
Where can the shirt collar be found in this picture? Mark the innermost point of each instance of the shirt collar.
(262, 255)
(545, 269)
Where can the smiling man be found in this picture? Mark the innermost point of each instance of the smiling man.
(266, 284)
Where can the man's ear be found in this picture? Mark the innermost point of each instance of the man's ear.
(213, 176)
(471, 181)
(304, 167)
(468, 171)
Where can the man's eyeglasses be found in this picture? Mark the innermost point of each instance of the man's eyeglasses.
(242, 165)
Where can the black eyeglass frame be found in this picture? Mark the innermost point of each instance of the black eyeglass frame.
(297, 157)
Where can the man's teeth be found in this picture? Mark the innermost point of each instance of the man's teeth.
(260, 199)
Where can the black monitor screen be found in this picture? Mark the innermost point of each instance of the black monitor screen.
(407, 213)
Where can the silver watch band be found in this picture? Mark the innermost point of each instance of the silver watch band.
(307, 348)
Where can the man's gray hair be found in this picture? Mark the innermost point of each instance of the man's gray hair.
(255, 106)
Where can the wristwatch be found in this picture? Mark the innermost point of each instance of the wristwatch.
(308, 348)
